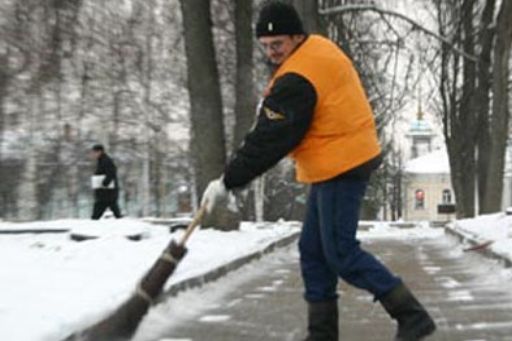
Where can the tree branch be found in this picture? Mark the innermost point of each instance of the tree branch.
(357, 8)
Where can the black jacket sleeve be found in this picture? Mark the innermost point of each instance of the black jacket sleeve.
(106, 166)
(283, 119)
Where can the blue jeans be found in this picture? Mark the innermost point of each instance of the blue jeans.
(328, 245)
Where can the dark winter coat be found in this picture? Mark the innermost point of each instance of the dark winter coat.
(105, 166)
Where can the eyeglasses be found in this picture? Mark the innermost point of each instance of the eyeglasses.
(273, 46)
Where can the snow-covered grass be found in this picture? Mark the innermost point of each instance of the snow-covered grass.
(50, 286)
(492, 227)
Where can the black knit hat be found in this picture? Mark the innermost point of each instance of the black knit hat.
(98, 148)
(277, 18)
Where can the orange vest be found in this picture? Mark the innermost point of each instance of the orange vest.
(342, 134)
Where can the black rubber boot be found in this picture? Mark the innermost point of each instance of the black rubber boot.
(414, 323)
(323, 321)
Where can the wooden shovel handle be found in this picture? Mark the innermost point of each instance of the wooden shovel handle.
(193, 224)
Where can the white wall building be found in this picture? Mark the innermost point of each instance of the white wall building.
(427, 184)
(426, 177)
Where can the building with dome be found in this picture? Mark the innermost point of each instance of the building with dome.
(421, 134)
(426, 179)
(426, 183)
(427, 186)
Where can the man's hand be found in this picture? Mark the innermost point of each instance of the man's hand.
(215, 191)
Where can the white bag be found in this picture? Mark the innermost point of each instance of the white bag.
(97, 182)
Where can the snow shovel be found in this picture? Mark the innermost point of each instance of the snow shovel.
(123, 322)
(479, 246)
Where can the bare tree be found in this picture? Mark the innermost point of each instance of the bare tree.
(474, 112)
(207, 131)
(482, 99)
(475, 100)
(375, 44)
(207, 143)
(499, 120)
(245, 101)
(308, 11)
(459, 118)
(85, 72)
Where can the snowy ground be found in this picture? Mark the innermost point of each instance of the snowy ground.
(410, 230)
(51, 286)
(493, 227)
(469, 296)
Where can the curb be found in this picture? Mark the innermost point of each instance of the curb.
(212, 275)
(488, 252)
(34, 231)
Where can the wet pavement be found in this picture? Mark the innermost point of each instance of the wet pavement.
(470, 298)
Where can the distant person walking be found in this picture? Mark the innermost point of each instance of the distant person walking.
(104, 183)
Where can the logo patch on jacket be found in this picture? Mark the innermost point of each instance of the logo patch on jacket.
(273, 115)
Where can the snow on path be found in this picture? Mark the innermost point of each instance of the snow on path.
(50, 286)
(387, 230)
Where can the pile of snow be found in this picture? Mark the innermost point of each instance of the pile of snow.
(492, 227)
(99, 228)
(51, 286)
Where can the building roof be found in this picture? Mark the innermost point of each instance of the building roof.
(431, 163)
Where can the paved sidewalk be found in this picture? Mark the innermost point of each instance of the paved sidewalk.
(467, 295)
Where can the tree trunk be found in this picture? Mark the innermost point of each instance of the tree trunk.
(245, 96)
(207, 143)
(207, 130)
(500, 110)
(147, 80)
(245, 101)
(459, 121)
(308, 11)
(74, 172)
(482, 99)
(465, 118)
(259, 198)
(27, 198)
(145, 189)
(4, 83)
